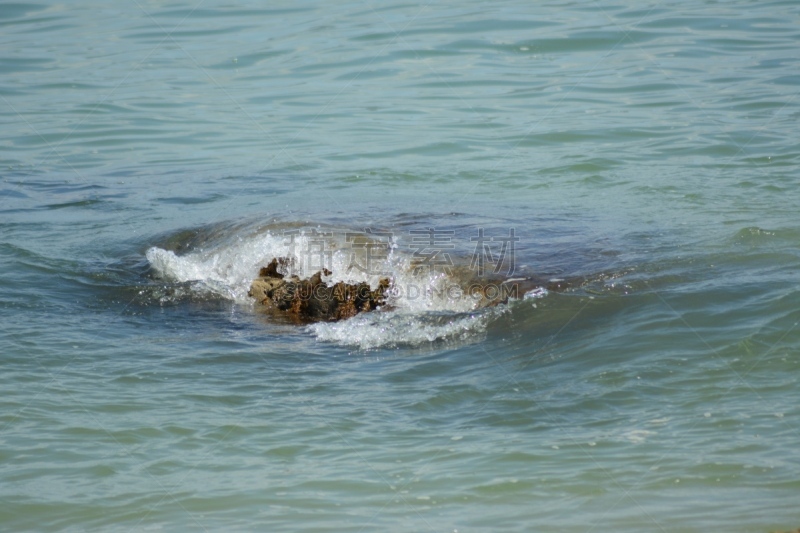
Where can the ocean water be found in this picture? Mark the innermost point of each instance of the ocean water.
(154, 155)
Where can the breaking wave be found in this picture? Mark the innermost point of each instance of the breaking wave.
(424, 305)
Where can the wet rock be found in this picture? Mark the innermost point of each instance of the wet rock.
(312, 299)
(308, 300)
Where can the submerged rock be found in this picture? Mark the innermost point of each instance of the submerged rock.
(312, 299)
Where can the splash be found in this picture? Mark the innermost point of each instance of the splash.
(423, 305)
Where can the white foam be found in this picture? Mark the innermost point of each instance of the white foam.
(226, 271)
(638, 436)
(398, 328)
(538, 292)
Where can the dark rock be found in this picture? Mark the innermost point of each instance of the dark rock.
(312, 299)
(271, 270)
(309, 300)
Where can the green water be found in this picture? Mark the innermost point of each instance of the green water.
(153, 154)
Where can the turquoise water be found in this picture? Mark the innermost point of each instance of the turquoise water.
(153, 155)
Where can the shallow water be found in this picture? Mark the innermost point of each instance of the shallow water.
(155, 155)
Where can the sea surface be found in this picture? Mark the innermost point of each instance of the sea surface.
(155, 154)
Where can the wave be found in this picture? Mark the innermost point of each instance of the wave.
(429, 300)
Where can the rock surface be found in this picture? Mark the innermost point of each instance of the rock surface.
(312, 299)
